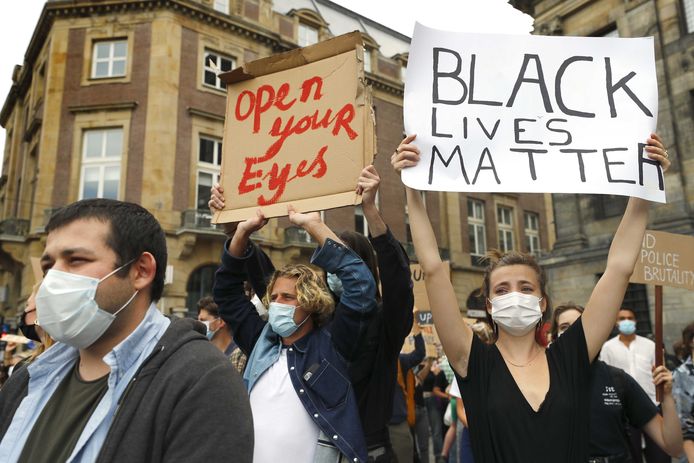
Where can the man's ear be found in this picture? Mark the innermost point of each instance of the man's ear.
(143, 270)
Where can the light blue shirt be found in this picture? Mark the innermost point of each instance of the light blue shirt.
(51, 367)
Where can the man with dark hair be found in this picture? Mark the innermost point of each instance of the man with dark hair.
(219, 332)
(123, 382)
(636, 356)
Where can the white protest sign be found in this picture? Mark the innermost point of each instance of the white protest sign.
(524, 113)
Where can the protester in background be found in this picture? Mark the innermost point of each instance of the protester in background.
(373, 371)
(403, 416)
(619, 404)
(635, 355)
(122, 382)
(434, 414)
(304, 408)
(219, 333)
(421, 418)
(684, 391)
(505, 386)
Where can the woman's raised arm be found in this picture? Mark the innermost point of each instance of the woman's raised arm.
(455, 335)
(606, 299)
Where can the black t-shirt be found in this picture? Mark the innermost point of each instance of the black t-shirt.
(63, 418)
(504, 427)
(615, 396)
(428, 383)
(440, 381)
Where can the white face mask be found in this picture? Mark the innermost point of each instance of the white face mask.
(67, 311)
(516, 313)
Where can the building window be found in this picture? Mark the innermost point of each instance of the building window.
(477, 233)
(504, 219)
(367, 60)
(636, 299)
(200, 284)
(308, 35)
(102, 150)
(109, 59)
(215, 62)
(209, 165)
(688, 8)
(531, 222)
(221, 5)
(360, 224)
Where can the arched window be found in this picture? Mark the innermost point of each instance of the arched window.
(200, 284)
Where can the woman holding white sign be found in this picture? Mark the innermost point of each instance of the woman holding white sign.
(524, 402)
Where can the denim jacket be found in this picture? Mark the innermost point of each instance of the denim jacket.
(317, 362)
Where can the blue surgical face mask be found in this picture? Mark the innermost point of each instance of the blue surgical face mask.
(335, 284)
(281, 319)
(209, 333)
(627, 327)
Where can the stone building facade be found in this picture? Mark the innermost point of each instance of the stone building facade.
(119, 98)
(585, 224)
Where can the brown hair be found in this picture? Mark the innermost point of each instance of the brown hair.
(554, 330)
(312, 294)
(496, 259)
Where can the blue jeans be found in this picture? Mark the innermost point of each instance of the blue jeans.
(435, 423)
(421, 428)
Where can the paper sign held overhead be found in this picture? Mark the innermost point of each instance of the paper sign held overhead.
(299, 129)
(666, 259)
(527, 113)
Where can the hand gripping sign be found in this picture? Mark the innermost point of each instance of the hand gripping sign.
(299, 129)
(527, 113)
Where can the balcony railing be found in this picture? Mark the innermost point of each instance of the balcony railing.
(194, 219)
(409, 249)
(14, 227)
(298, 236)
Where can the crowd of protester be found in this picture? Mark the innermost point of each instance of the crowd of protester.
(304, 363)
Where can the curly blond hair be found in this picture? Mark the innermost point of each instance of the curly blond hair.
(312, 294)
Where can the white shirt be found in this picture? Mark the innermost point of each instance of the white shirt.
(454, 390)
(637, 360)
(283, 430)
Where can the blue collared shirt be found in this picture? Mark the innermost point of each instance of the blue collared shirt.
(51, 367)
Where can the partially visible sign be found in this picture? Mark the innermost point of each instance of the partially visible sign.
(666, 259)
(425, 318)
(421, 300)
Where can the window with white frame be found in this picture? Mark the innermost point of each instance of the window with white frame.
(215, 62)
(308, 35)
(221, 5)
(531, 222)
(102, 151)
(109, 58)
(209, 165)
(367, 60)
(688, 9)
(476, 228)
(504, 221)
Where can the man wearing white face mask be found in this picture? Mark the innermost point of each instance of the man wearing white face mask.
(304, 407)
(123, 383)
(219, 333)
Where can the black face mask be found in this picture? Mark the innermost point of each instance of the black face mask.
(29, 331)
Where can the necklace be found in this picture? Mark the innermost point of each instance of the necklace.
(525, 364)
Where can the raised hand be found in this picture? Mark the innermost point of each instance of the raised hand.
(407, 155)
(656, 151)
(367, 185)
(302, 219)
(216, 204)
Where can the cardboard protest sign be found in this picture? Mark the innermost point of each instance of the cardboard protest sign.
(421, 300)
(431, 342)
(528, 113)
(666, 259)
(299, 129)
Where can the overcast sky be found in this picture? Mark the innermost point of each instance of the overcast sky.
(18, 20)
